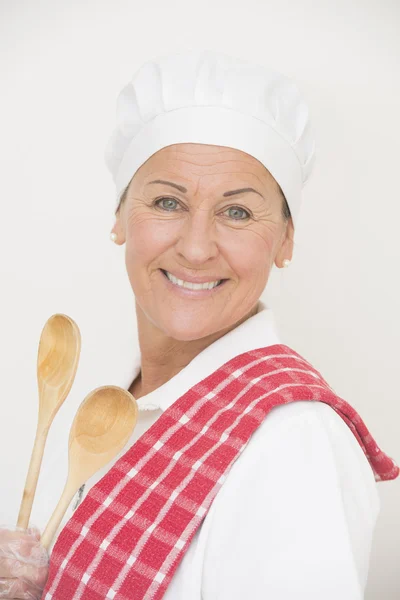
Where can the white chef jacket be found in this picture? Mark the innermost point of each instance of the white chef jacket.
(295, 517)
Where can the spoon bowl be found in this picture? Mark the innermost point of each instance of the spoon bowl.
(101, 428)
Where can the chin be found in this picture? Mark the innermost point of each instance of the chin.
(185, 331)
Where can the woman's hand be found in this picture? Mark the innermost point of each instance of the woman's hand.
(23, 564)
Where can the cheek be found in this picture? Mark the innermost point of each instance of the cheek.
(147, 238)
(250, 254)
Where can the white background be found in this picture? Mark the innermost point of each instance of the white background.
(62, 65)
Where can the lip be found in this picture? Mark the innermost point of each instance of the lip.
(186, 292)
(184, 277)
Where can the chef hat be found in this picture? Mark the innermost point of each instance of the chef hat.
(208, 97)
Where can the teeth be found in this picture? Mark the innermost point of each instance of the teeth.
(192, 286)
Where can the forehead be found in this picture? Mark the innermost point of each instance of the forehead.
(199, 160)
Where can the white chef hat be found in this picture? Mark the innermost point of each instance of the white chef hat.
(208, 97)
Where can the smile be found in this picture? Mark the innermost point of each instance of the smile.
(192, 289)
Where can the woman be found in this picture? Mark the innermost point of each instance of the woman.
(246, 476)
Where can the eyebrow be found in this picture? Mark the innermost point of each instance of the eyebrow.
(184, 190)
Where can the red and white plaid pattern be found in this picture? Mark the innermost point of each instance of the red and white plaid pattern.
(128, 536)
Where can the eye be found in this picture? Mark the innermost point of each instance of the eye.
(167, 203)
(166, 206)
(236, 209)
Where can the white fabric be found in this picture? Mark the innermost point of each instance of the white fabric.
(208, 97)
(295, 518)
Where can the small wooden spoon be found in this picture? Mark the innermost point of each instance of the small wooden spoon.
(102, 426)
(57, 362)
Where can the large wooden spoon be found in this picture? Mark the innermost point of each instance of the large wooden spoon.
(102, 426)
(57, 362)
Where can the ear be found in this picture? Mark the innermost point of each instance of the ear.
(285, 249)
(118, 228)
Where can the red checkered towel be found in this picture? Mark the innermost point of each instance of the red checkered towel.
(128, 536)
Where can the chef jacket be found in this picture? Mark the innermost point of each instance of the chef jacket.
(295, 517)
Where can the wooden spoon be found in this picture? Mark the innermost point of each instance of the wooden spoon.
(102, 426)
(57, 362)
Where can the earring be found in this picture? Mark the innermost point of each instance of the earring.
(286, 262)
(113, 236)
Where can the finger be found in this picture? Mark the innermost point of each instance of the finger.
(32, 533)
(17, 589)
(7, 535)
(36, 575)
(7, 566)
(26, 550)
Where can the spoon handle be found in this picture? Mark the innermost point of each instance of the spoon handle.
(32, 476)
(57, 516)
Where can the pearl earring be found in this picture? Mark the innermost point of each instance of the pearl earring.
(286, 262)
(113, 236)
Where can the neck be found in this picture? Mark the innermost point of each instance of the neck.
(162, 356)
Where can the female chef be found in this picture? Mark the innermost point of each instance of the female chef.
(246, 475)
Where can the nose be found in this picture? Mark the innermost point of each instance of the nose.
(197, 241)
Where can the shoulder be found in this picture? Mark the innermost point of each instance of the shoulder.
(302, 487)
(302, 456)
(310, 439)
(312, 431)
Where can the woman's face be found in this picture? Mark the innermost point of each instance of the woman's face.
(201, 230)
